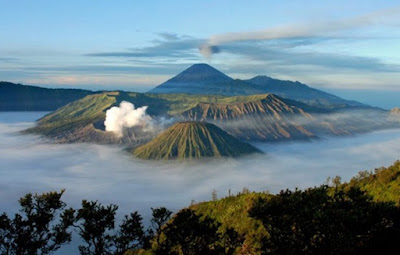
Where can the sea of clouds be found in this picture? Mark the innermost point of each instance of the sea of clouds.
(29, 163)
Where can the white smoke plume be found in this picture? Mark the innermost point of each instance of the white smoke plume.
(126, 116)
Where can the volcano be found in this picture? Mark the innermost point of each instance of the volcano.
(193, 140)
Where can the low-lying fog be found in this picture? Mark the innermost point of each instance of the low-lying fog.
(106, 173)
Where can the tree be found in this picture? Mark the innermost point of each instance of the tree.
(95, 222)
(189, 233)
(230, 241)
(160, 216)
(41, 228)
(214, 195)
(131, 235)
(326, 220)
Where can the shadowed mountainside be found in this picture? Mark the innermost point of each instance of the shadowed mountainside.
(17, 97)
(204, 79)
(300, 92)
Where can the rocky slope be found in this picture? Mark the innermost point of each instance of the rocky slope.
(266, 117)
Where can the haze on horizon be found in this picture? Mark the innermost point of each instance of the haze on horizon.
(348, 48)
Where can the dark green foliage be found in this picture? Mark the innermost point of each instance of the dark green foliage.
(189, 233)
(95, 223)
(41, 228)
(231, 241)
(316, 222)
(160, 217)
(186, 140)
(131, 235)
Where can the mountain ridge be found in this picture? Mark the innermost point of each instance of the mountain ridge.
(19, 97)
(189, 81)
(262, 117)
(298, 90)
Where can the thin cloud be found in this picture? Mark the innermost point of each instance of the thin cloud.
(283, 57)
(169, 46)
(315, 29)
(169, 36)
(8, 60)
(118, 69)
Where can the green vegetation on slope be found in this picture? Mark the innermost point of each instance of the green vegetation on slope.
(383, 184)
(75, 115)
(342, 219)
(380, 186)
(233, 212)
(186, 140)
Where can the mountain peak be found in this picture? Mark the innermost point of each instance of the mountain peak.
(191, 139)
(260, 78)
(200, 72)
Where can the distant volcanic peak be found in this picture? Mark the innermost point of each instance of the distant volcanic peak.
(191, 140)
(261, 78)
(199, 73)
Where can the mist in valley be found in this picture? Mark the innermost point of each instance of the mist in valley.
(107, 173)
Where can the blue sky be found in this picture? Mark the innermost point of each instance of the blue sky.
(136, 45)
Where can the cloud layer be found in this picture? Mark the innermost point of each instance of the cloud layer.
(311, 30)
(331, 46)
(107, 174)
(29, 164)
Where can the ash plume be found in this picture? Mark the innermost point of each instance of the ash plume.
(313, 29)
